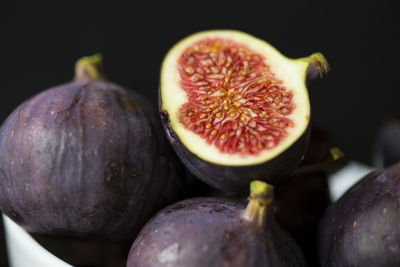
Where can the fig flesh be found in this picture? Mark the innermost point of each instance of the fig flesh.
(362, 227)
(80, 159)
(235, 109)
(216, 232)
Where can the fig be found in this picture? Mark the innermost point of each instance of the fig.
(303, 198)
(211, 232)
(322, 155)
(362, 227)
(235, 109)
(301, 202)
(86, 159)
(387, 145)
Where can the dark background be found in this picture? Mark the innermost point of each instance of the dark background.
(40, 42)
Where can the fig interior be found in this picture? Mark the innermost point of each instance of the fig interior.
(237, 100)
(234, 102)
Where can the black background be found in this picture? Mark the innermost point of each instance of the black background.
(40, 42)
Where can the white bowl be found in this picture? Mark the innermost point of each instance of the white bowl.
(24, 251)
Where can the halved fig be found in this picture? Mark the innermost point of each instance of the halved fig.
(235, 109)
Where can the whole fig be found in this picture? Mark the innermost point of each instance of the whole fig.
(217, 232)
(362, 227)
(86, 158)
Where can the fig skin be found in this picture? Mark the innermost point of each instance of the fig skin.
(304, 196)
(387, 144)
(85, 159)
(322, 155)
(302, 201)
(362, 227)
(212, 232)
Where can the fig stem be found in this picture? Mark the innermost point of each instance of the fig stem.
(89, 68)
(318, 66)
(336, 153)
(261, 195)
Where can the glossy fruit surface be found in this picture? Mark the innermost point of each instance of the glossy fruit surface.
(80, 159)
(235, 109)
(216, 232)
(362, 227)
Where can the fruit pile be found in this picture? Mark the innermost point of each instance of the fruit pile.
(90, 167)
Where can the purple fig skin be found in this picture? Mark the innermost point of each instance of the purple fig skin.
(362, 227)
(303, 198)
(210, 232)
(86, 159)
(237, 178)
(387, 147)
(322, 154)
(302, 201)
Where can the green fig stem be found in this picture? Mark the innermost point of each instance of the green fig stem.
(336, 153)
(89, 68)
(261, 195)
(318, 67)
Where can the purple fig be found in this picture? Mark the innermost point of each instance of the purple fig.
(362, 227)
(217, 232)
(86, 158)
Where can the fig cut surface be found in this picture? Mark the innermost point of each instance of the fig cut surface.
(231, 99)
(235, 109)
